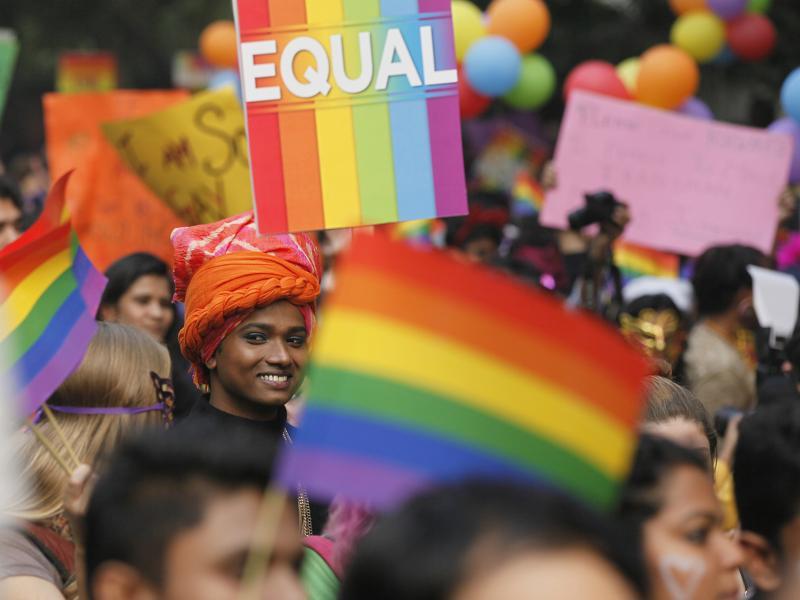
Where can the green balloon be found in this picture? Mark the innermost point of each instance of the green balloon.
(758, 6)
(537, 82)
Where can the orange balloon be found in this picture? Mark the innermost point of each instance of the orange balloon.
(525, 23)
(218, 44)
(668, 77)
(683, 6)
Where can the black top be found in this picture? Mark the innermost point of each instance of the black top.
(204, 415)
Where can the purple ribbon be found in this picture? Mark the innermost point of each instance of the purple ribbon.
(89, 410)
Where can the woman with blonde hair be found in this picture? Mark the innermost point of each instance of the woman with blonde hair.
(121, 386)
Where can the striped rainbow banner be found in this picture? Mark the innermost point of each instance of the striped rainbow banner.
(341, 159)
(636, 261)
(49, 294)
(430, 369)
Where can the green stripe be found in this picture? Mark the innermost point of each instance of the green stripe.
(25, 335)
(391, 401)
(372, 128)
(318, 579)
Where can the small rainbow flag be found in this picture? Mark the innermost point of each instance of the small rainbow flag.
(83, 72)
(635, 261)
(49, 294)
(527, 195)
(370, 137)
(424, 232)
(430, 369)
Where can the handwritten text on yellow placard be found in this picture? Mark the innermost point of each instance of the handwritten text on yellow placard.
(192, 155)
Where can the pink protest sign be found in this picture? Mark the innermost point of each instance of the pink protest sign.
(690, 184)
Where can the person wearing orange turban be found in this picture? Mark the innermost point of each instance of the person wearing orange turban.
(225, 271)
(250, 313)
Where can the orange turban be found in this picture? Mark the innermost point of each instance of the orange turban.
(225, 270)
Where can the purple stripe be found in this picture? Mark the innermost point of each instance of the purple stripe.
(325, 474)
(445, 125)
(448, 160)
(93, 285)
(64, 362)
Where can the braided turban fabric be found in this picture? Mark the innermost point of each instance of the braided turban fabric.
(224, 271)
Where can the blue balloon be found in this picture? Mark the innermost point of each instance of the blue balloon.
(493, 66)
(226, 78)
(790, 95)
(725, 57)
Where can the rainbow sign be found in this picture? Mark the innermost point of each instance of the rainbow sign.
(352, 112)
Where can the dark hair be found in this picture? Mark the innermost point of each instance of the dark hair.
(656, 302)
(10, 191)
(720, 273)
(157, 485)
(766, 470)
(666, 400)
(423, 550)
(127, 270)
(655, 459)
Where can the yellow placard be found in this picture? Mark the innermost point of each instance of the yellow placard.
(192, 155)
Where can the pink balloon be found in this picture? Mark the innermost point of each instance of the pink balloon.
(596, 76)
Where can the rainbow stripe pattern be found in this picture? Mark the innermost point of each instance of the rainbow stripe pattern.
(527, 195)
(343, 160)
(635, 261)
(430, 369)
(49, 294)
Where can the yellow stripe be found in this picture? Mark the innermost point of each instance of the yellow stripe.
(412, 356)
(20, 302)
(335, 135)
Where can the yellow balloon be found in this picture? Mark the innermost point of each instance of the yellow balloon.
(701, 33)
(628, 71)
(468, 26)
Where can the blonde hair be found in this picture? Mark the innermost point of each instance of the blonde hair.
(114, 373)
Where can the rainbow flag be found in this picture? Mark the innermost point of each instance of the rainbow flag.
(430, 369)
(49, 294)
(527, 195)
(326, 153)
(82, 72)
(424, 232)
(635, 261)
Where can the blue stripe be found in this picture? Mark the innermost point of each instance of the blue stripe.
(434, 457)
(411, 144)
(52, 339)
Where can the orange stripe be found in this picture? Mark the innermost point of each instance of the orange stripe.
(521, 307)
(490, 333)
(299, 143)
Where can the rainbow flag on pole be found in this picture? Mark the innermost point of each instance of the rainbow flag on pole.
(49, 294)
(352, 112)
(428, 369)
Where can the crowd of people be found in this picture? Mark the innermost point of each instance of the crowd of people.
(195, 379)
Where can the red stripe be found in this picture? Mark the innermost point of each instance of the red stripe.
(16, 266)
(264, 138)
(488, 292)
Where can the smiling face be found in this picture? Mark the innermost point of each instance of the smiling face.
(688, 555)
(259, 365)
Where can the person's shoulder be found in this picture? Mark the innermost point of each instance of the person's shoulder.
(21, 558)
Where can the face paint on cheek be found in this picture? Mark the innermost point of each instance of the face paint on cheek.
(681, 575)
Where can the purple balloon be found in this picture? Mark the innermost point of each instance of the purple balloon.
(727, 9)
(694, 107)
(790, 126)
